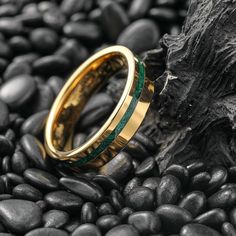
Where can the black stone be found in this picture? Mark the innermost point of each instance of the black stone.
(47, 232)
(88, 213)
(124, 230)
(41, 179)
(87, 230)
(55, 219)
(18, 91)
(85, 189)
(107, 222)
(19, 162)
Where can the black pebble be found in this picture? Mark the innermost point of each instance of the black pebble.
(228, 229)
(131, 184)
(194, 202)
(146, 168)
(19, 162)
(41, 179)
(34, 124)
(55, 219)
(88, 213)
(125, 213)
(138, 8)
(173, 218)
(107, 222)
(47, 232)
(198, 230)
(213, 218)
(113, 19)
(34, 150)
(106, 183)
(18, 91)
(141, 199)
(105, 209)
(116, 199)
(169, 190)
(83, 188)
(146, 222)
(124, 230)
(4, 116)
(27, 192)
(200, 181)
(87, 230)
(140, 36)
(44, 40)
(28, 214)
(63, 200)
(152, 182)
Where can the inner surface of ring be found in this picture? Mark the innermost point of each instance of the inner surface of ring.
(87, 83)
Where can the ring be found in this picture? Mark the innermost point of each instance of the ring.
(121, 125)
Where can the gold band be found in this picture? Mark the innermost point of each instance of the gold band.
(119, 127)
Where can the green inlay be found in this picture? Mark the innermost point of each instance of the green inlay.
(112, 136)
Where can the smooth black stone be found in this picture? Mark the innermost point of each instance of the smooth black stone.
(88, 213)
(107, 222)
(41, 179)
(194, 202)
(85, 189)
(6, 166)
(34, 150)
(133, 183)
(19, 45)
(15, 69)
(173, 218)
(200, 181)
(137, 150)
(124, 230)
(146, 222)
(69, 7)
(42, 100)
(198, 230)
(5, 196)
(3, 65)
(6, 146)
(47, 232)
(228, 229)
(55, 219)
(146, 168)
(44, 40)
(87, 230)
(139, 8)
(18, 91)
(15, 179)
(178, 171)
(140, 36)
(225, 198)
(2, 186)
(141, 199)
(162, 14)
(105, 209)
(219, 176)
(28, 58)
(74, 51)
(233, 216)
(213, 218)
(106, 183)
(94, 117)
(79, 139)
(228, 185)
(34, 124)
(5, 50)
(125, 213)
(116, 200)
(19, 162)
(169, 190)
(87, 32)
(196, 167)
(10, 26)
(27, 192)
(232, 173)
(55, 83)
(7, 186)
(118, 168)
(146, 141)
(51, 65)
(4, 116)
(63, 200)
(10, 135)
(20, 216)
(152, 182)
(113, 19)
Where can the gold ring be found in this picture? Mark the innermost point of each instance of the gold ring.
(121, 125)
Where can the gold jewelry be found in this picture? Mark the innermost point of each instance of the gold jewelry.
(119, 127)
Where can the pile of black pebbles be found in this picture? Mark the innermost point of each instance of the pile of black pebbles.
(41, 43)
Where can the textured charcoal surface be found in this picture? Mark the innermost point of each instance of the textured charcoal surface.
(177, 176)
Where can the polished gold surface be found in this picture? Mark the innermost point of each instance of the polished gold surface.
(121, 124)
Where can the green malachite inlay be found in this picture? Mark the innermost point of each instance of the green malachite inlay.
(112, 136)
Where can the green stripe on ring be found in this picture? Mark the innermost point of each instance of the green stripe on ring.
(112, 136)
